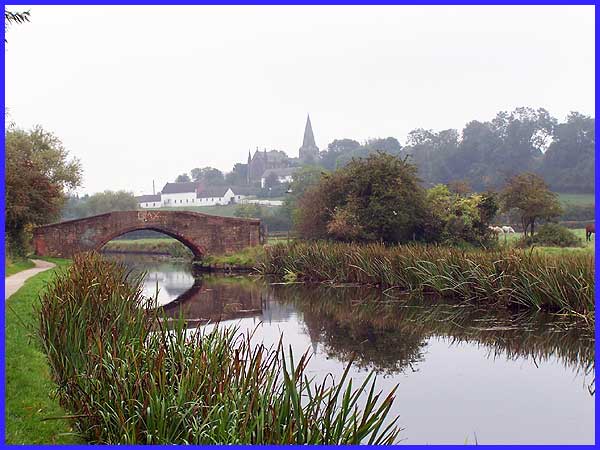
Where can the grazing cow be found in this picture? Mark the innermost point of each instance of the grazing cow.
(589, 229)
(507, 229)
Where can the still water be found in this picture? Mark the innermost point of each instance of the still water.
(464, 375)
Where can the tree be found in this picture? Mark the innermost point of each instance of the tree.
(568, 164)
(238, 176)
(11, 17)
(183, 178)
(99, 203)
(38, 177)
(460, 187)
(378, 198)
(250, 210)
(456, 219)
(208, 175)
(272, 180)
(530, 196)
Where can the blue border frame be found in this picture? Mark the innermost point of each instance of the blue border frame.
(289, 2)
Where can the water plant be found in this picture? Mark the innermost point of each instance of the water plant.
(126, 378)
(504, 277)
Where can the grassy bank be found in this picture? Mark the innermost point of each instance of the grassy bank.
(28, 382)
(245, 259)
(128, 380)
(561, 283)
(167, 246)
(15, 266)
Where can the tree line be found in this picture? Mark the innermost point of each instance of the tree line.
(485, 154)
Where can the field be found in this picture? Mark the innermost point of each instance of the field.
(588, 247)
(577, 199)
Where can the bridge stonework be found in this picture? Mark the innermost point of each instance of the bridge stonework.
(201, 233)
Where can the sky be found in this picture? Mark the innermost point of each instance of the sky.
(143, 93)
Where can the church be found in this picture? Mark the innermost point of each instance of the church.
(264, 160)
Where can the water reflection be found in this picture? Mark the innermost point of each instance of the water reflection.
(509, 378)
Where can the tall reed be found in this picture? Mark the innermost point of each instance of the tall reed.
(513, 278)
(127, 379)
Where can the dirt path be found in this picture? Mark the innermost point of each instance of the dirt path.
(13, 283)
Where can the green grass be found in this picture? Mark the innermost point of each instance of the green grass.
(587, 248)
(245, 259)
(28, 383)
(577, 199)
(12, 267)
(167, 245)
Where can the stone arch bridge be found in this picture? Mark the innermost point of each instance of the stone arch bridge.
(201, 233)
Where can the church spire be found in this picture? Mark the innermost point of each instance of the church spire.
(309, 137)
(309, 152)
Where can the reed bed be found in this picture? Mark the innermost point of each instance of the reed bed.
(510, 278)
(127, 380)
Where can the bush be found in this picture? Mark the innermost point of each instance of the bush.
(555, 235)
(128, 378)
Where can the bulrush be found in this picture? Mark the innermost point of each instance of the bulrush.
(504, 278)
(126, 379)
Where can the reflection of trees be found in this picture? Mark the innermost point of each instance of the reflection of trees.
(389, 334)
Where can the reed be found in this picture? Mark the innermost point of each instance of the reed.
(126, 379)
(504, 277)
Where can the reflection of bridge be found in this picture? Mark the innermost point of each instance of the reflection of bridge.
(201, 233)
(215, 301)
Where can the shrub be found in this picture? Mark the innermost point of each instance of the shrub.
(555, 235)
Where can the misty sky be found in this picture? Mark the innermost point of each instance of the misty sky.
(145, 93)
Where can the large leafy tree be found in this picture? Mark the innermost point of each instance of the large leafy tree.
(378, 198)
(529, 195)
(39, 174)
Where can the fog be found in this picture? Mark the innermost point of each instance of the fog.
(143, 93)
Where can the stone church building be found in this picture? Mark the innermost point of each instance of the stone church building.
(277, 159)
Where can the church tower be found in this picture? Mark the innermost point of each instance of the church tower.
(309, 152)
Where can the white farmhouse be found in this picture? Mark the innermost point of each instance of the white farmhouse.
(195, 194)
(179, 194)
(149, 201)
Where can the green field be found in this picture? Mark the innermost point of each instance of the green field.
(31, 412)
(577, 199)
(588, 247)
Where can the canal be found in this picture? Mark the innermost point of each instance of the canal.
(464, 374)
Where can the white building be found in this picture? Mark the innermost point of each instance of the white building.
(191, 194)
(179, 194)
(149, 201)
(283, 175)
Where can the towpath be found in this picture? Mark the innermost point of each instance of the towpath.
(13, 283)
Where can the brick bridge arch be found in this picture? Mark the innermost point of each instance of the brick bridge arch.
(201, 233)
